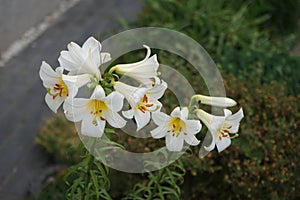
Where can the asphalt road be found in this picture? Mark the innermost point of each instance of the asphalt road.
(22, 106)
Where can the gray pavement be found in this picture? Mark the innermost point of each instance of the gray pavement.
(22, 106)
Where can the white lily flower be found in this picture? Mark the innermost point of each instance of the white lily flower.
(214, 101)
(141, 71)
(57, 90)
(220, 127)
(94, 112)
(142, 100)
(83, 62)
(176, 128)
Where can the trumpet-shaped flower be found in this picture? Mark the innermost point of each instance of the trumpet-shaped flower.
(83, 62)
(142, 100)
(176, 128)
(141, 71)
(94, 112)
(57, 90)
(214, 101)
(220, 127)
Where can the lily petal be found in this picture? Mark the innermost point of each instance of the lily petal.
(115, 101)
(98, 93)
(176, 112)
(105, 57)
(131, 93)
(90, 129)
(76, 81)
(160, 118)
(174, 143)
(67, 61)
(158, 90)
(142, 119)
(159, 132)
(212, 144)
(193, 126)
(128, 114)
(53, 104)
(115, 120)
(216, 101)
(237, 117)
(48, 75)
(191, 139)
(184, 113)
(212, 122)
(223, 144)
(75, 108)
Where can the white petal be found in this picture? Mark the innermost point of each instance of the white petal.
(184, 113)
(191, 139)
(75, 109)
(76, 81)
(159, 132)
(115, 101)
(67, 62)
(76, 53)
(156, 105)
(132, 94)
(227, 113)
(193, 126)
(142, 119)
(98, 93)
(128, 114)
(91, 43)
(90, 129)
(216, 101)
(48, 75)
(222, 144)
(234, 128)
(212, 122)
(160, 118)
(176, 112)
(115, 120)
(124, 66)
(158, 90)
(53, 103)
(174, 143)
(147, 69)
(237, 117)
(212, 144)
(105, 57)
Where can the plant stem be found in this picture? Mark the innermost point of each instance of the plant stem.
(89, 167)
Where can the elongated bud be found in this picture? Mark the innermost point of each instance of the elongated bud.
(215, 101)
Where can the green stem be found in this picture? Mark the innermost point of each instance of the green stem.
(89, 167)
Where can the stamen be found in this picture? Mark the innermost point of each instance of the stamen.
(234, 136)
(59, 89)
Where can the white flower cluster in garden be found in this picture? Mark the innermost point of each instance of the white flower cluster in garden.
(83, 65)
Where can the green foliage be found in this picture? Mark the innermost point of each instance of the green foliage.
(162, 184)
(234, 33)
(88, 180)
(263, 162)
(267, 63)
(213, 23)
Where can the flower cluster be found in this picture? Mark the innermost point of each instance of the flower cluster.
(81, 66)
